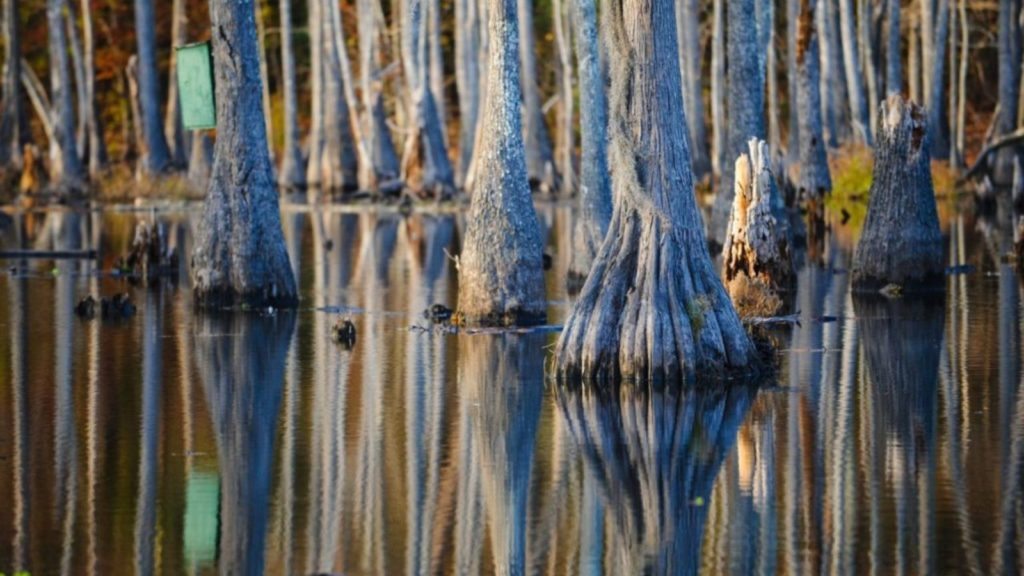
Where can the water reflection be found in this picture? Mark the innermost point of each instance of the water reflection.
(892, 440)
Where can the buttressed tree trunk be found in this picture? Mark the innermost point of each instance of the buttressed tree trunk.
(757, 258)
(239, 257)
(10, 115)
(383, 169)
(595, 195)
(66, 169)
(746, 104)
(291, 174)
(653, 306)
(901, 243)
(540, 162)
(501, 278)
(815, 180)
(426, 169)
(157, 156)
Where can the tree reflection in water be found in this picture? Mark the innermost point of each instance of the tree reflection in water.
(654, 456)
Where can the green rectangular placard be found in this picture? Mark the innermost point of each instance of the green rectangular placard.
(195, 86)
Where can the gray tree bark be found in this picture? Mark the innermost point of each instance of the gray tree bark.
(98, 158)
(540, 163)
(10, 115)
(936, 111)
(653, 306)
(901, 243)
(467, 80)
(595, 197)
(718, 87)
(854, 75)
(834, 89)
(66, 169)
(291, 173)
(501, 277)
(746, 105)
(868, 37)
(758, 263)
(78, 68)
(815, 180)
(426, 168)
(893, 62)
(914, 64)
(173, 128)
(690, 58)
(383, 169)
(261, 41)
(566, 151)
(156, 156)
(1009, 83)
(436, 59)
(239, 256)
(792, 34)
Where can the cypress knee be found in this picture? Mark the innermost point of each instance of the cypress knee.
(901, 242)
(758, 264)
(501, 276)
(653, 307)
(239, 256)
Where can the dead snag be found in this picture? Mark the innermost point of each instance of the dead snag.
(901, 243)
(757, 256)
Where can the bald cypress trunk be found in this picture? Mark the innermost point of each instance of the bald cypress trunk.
(937, 88)
(1009, 83)
(718, 87)
(156, 156)
(893, 63)
(66, 171)
(10, 115)
(98, 158)
(901, 243)
(383, 169)
(566, 151)
(690, 58)
(792, 35)
(835, 88)
(426, 168)
(595, 195)
(653, 306)
(501, 279)
(746, 104)
(815, 180)
(467, 80)
(239, 256)
(291, 173)
(854, 73)
(540, 163)
(173, 128)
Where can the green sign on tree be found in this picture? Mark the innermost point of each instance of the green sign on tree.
(195, 86)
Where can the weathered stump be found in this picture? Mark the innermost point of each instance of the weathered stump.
(901, 242)
(758, 263)
(653, 306)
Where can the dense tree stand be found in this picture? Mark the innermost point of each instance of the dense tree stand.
(901, 243)
(501, 275)
(239, 256)
(653, 306)
(758, 262)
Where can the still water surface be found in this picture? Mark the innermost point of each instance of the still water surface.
(891, 441)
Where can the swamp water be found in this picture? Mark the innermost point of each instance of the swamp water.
(891, 441)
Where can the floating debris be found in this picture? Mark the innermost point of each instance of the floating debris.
(344, 332)
(149, 259)
(438, 314)
(86, 307)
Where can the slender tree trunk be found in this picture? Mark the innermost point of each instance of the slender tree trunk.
(914, 63)
(826, 85)
(792, 32)
(239, 256)
(961, 111)
(291, 174)
(893, 63)
(10, 115)
(316, 128)
(772, 73)
(901, 242)
(98, 158)
(540, 162)
(867, 50)
(338, 163)
(200, 160)
(66, 169)
(746, 104)
(854, 75)
(157, 156)
(936, 128)
(436, 59)
(383, 169)
(926, 28)
(1009, 83)
(653, 307)
(261, 35)
(595, 184)
(173, 128)
(566, 137)
(501, 277)
(815, 180)
(78, 65)
(426, 168)
(690, 58)
(718, 87)
(467, 80)
(838, 89)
